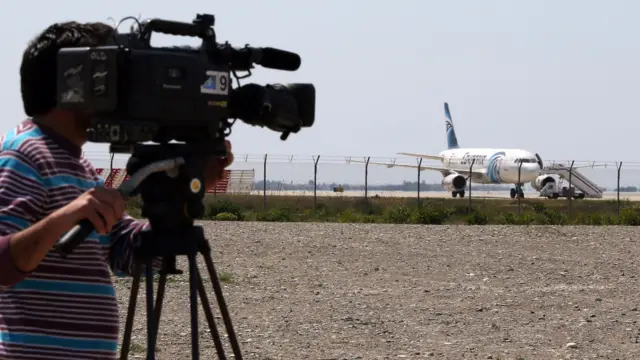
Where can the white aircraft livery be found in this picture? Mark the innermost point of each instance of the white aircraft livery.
(480, 165)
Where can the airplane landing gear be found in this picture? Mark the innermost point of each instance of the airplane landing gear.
(517, 191)
(456, 193)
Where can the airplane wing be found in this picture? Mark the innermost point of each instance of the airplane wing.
(442, 170)
(430, 157)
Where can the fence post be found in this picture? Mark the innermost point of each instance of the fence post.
(470, 173)
(315, 182)
(517, 187)
(110, 176)
(570, 190)
(419, 170)
(264, 183)
(619, 167)
(366, 177)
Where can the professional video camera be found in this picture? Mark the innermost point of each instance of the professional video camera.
(139, 94)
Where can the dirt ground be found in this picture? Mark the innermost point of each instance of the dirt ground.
(360, 291)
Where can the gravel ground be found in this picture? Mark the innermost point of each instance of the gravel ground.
(360, 291)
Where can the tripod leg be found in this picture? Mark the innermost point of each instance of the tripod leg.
(128, 327)
(151, 338)
(157, 309)
(222, 304)
(208, 313)
(193, 299)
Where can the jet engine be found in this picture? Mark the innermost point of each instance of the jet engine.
(541, 181)
(454, 182)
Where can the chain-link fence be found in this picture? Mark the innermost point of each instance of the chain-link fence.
(366, 177)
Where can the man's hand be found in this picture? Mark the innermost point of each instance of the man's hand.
(104, 207)
(215, 169)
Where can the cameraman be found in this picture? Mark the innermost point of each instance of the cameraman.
(54, 307)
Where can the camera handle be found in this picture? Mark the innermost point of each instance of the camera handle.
(200, 27)
(67, 243)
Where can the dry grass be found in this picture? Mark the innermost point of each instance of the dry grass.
(371, 291)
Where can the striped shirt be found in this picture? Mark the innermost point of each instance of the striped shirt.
(65, 308)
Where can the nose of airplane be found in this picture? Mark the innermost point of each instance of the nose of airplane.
(531, 169)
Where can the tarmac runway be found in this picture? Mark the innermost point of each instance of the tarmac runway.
(631, 196)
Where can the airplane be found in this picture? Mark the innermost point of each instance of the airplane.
(491, 166)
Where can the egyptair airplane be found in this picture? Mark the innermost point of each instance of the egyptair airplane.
(491, 166)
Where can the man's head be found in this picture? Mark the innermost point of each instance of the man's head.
(38, 72)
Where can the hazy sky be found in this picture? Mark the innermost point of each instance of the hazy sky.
(556, 77)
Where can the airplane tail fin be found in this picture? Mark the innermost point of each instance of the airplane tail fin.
(452, 140)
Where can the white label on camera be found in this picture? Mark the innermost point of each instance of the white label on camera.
(217, 83)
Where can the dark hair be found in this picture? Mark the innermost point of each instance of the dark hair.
(38, 69)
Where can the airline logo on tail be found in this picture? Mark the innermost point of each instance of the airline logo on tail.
(452, 140)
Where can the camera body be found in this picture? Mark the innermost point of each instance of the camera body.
(137, 93)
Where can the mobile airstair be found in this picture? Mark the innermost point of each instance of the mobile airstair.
(578, 180)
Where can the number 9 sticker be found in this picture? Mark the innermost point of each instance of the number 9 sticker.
(217, 83)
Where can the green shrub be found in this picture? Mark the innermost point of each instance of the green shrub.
(275, 215)
(371, 219)
(398, 215)
(213, 208)
(319, 214)
(630, 216)
(515, 219)
(349, 216)
(368, 207)
(430, 215)
(539, 208)
(609, 219)
(461, 209)
(477, 218)
(225, 216)
(551, 217)
(545, 216)
(596, 219)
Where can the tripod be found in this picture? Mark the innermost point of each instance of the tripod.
(171, 200)
(187, 242)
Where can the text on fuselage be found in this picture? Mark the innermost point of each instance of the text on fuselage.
(467, 159)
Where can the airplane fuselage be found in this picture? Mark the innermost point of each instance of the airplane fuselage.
(499, 166)
(462, 166)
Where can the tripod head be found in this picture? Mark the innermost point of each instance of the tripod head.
(170, 181)
(172, 198)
